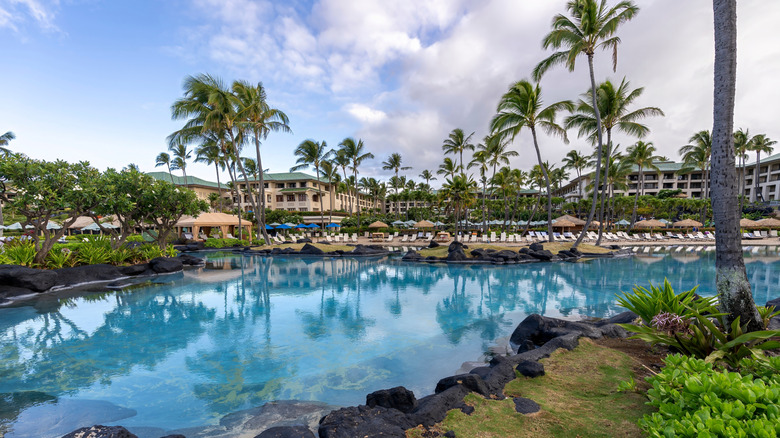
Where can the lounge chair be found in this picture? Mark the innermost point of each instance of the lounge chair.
(390, 238)
(354, 238)
(405, 238)
(503, 237)
(413, 238)
(337, 238)
(659, 236)
(493, 237)
(229, 236)
(328, 238)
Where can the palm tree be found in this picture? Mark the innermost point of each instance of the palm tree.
(497, 152)
(696, 155)
(760, 143)
(731, 281)
(259, 119)
(4, 140)
(209, 153)
(459, 191)
(394, 163)
(578, 162)
(355, 151)
(312, 153)
(521, 107)
(448, 168)
(741, 144)
(330, 171)
(179, 162)
(481, 161)
(643, 156)
(592, 26)
(164, 160)
(341, 160)
(456, 143)
(427, 176)
(613, 108)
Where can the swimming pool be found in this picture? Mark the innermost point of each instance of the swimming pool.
(189, 348)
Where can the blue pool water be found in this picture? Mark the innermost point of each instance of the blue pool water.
(192, 347)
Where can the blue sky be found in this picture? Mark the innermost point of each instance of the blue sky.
(94, 79)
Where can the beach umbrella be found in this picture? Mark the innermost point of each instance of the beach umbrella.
(424, 224)
(378, 224)
(109, 225)
(333, 226)
(91, 227)
(687, 223)
(664, 221)
(289, 224)
(747, 223)
(439, 224)
(301, 226)
(650, 223)
(283, 227)
(268, 227)
(398, 223)
(275, 224)
(768, 222)
(594, 224)
(14, 226)
(571, 219)
(623, 222)
(563, 223)
(313, 226)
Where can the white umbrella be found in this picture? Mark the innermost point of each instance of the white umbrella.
(14, 226)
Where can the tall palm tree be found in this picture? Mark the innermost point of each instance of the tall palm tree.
(312, 153)
(259, 119)
(456, 143)
(481, 160)
(459, 191)
(341, 160)
(179, 161)
(497, 152)
(592, 26)
(736, 299)
(356, 152)
(696, 155)
(427, 176)
(741, 144)
(4, 140)
(642, 155)
(448, 168)
(521, 107)
(164, 159)
(615, 112)
(393, 163)
(209, 153)
(760, 143)
(330, 171)
(576, 161)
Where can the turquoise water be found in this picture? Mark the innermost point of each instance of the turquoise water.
(195, 346)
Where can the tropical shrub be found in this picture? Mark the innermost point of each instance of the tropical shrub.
(767, 313)
(649, 303)
(91, 253)
(223, 243)
(170, 251)
(694, 399)
(120, 255)
(60, 258)
(20, 252)
(147, 252)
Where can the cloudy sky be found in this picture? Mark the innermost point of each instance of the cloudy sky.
(94, 80)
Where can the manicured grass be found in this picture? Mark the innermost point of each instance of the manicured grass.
(554, 247)
(298, 246)
(578, 396)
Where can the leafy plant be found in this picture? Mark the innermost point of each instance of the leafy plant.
(696, 400)
(767, 313)
(148, 252)
(20, 252)
(649, 303)
(628, 386)
(120, 255)
(60, 258)
(170, 251)
(93, 253)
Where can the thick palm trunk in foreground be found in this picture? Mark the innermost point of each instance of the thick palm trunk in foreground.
(732, 284)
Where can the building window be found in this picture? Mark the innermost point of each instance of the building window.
(315, 198)
(290, 198)
(302, 197)
(303, 184)
(269, 198)
(280, 185)
(265, 185)
(290, 185)
(279, 198)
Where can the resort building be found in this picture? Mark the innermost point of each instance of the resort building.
(201, 187)
(768, 180)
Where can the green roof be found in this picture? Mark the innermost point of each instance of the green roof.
(763, 159)
(296, 189)
(179, 180)
(529, 192)
(291, 176)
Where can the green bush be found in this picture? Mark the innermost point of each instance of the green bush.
(696, 400)
(92, 253)
(147, 252)
(649, 303)
(223, 243)
(20, 252)
(60, 258)
(120, 256)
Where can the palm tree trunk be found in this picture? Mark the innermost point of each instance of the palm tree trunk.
(251, 198)
(607, 163)
(484, 210)
(547, 183)
(231, 174)
(636, 199)
(261, 202)
(530, 218)
(169, 172)
(741, 184)
(219, 186)
(357, 201)
(731, 280)
(598, 152)
(330, 191)
(759, 196)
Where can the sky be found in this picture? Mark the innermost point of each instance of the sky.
(93, 80)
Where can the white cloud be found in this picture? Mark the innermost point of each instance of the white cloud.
(17, 12)
(365, 114)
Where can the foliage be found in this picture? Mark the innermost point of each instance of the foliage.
(224, 243)
(767, 313)
(695, 399)
(20, 252)
(91, 253)
(147, 252)
(60, 258)
(668, 193)
(649, 303)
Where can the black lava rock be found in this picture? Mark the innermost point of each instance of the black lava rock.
(775, 303)
(98, 431)
(134, 270)
(541, 255)
(433, 244)
(524, 250)
(13, 291)
(362, 421)
(526, 405)
(188, 260)
(536, 247)
(165, 265)
(540, 329)
(396, 398)
(433, 408)
(311, 250)
(412, 255)
(37, 280)
(507, 255)
(287, 432)
(86, 274)
(456, 256)
(472, 382)
(454, 246)
(530, 368)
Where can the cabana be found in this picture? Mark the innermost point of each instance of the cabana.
(686, 223)
(227, 224)
(650, 223)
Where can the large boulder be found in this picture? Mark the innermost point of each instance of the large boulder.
(37, 280)
(87, 274)
(536, 247)
(433, 408)
(526, 405)
(287, 432)
(472, 382)
(530, 368)
(368, 250)
(13, 291)
(456, 246)
(133, 270)
(456, 255)
(507, 255)
(433, 244)
(396, 398)
(412, 256)
(536, 330)
(98, 431)
(541, 255)
(362, 421)
(310, 249)
(188, 260)
(165, 265)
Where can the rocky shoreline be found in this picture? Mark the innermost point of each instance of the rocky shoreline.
(456, 253)
(19, 281)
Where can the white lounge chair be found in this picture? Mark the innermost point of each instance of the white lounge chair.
(405, 238)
